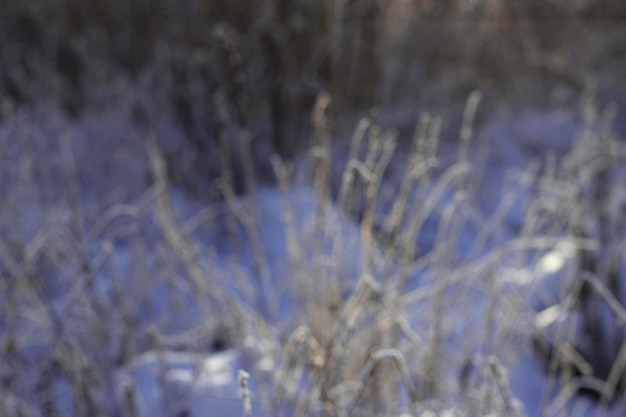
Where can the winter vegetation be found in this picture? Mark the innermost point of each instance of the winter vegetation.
(312, 208)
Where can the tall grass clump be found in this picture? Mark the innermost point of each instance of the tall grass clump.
(381, 294)
(383, 303)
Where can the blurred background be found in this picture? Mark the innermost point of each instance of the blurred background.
(222, 68)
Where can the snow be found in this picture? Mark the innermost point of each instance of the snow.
(166, 383)
(483, 312)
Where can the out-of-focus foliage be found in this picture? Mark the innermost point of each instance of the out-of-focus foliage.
(296, 48)
(257, 67)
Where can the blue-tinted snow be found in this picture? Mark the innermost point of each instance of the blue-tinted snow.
(229, 254)
(166, 383)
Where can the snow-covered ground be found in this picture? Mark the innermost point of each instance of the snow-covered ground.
(187, 292)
